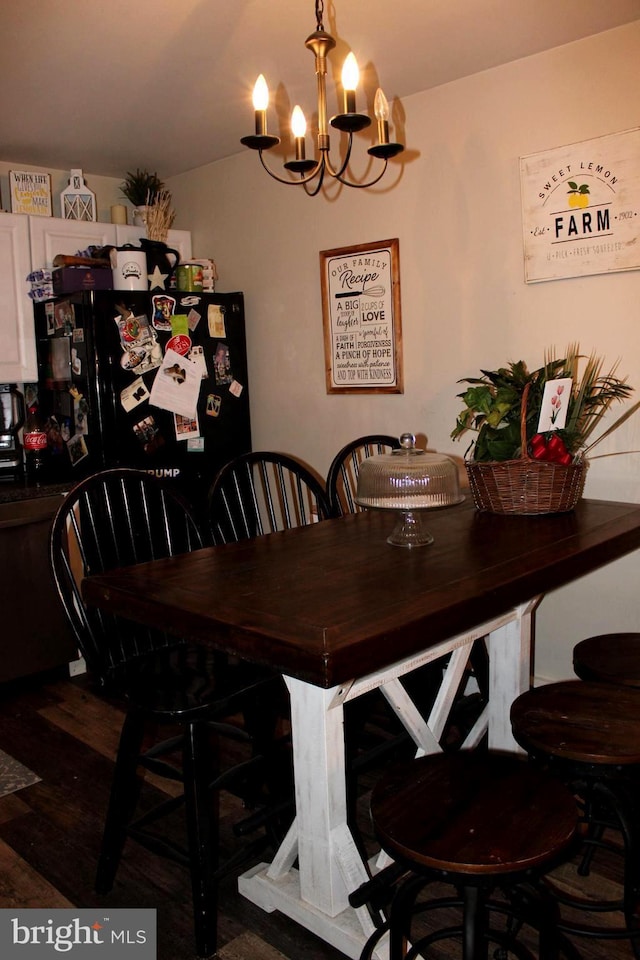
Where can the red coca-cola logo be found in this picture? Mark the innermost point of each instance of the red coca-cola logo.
(36, 440)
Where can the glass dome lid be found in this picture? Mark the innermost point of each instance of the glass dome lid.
(408, 479)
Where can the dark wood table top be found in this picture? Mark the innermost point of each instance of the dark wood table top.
(333, 601)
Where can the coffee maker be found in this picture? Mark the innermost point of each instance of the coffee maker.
(12, 413)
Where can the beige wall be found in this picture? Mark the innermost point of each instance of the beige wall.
(456, 211)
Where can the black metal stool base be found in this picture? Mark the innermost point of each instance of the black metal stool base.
(587, 734)
(525, 904)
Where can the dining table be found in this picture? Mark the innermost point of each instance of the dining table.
(339, 611)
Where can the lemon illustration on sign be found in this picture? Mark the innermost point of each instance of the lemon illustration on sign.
(578, 195)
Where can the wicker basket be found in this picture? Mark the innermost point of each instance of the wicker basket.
(526, 486)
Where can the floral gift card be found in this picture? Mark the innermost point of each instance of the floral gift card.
(555, 403)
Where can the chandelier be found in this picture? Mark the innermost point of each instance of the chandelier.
(311, 173)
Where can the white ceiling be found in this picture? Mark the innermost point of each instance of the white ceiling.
(110, 85)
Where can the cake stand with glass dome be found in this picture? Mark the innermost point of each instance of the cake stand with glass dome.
(410, 482)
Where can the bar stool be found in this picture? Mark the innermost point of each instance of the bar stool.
(483, 822)
(589, 735)
(609, 658)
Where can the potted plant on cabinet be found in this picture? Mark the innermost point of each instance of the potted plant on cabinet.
(140, 189)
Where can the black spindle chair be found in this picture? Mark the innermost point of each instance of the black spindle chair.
(342, 484)
(342, 478)
(117, 518)
(263, 492)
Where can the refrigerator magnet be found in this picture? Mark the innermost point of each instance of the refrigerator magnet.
(51, 320)
(189, 301)
(133, 395)
(186, 427)
(148, 435)
(193, 319)
(214, 403)
(235, 388)
(215, 319)
(81, 417)
(179, 324)
(179, 344)
(222, 365)
(196, 354)
(152, 358)
(134, 331)
(131, 359)
(163, 309)
(64, 316)
(77, 448)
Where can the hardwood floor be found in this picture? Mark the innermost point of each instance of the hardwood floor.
(50, 834)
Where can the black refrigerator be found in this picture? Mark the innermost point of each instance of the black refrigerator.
(156, 381)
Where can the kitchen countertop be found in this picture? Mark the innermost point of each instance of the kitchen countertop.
(16, 491)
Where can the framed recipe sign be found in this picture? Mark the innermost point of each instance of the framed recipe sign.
(361, 316)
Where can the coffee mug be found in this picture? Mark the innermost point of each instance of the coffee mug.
(129, 268)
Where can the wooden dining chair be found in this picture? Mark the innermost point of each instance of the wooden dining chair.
(342, 477)
(263, 492)
(118, 518)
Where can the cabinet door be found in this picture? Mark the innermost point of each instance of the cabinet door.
(35, 632)
(17, 340)
(180, 240)
(50, 236)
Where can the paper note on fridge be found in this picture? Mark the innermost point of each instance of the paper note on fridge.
(176, 385)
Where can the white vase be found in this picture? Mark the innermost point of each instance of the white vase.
(140, 216)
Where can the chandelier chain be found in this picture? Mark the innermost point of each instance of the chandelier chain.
(319, 14)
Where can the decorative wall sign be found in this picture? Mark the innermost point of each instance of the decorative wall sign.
(581, 208)
(361, 315)
(30, 193)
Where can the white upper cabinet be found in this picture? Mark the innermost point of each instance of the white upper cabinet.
(51, 236)
(17, 344)
(179, 240)
(31, 243)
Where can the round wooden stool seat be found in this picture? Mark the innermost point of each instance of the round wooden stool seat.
(609, 658)
(440, 812)
(589, 734)
(481, 822)
(579, 721)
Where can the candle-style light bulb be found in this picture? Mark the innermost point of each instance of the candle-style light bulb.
(350, 78)
(381, 110)
(299, 129)
(260, 94)
(260, 104)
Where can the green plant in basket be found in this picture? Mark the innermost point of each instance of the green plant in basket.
(493, 405)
